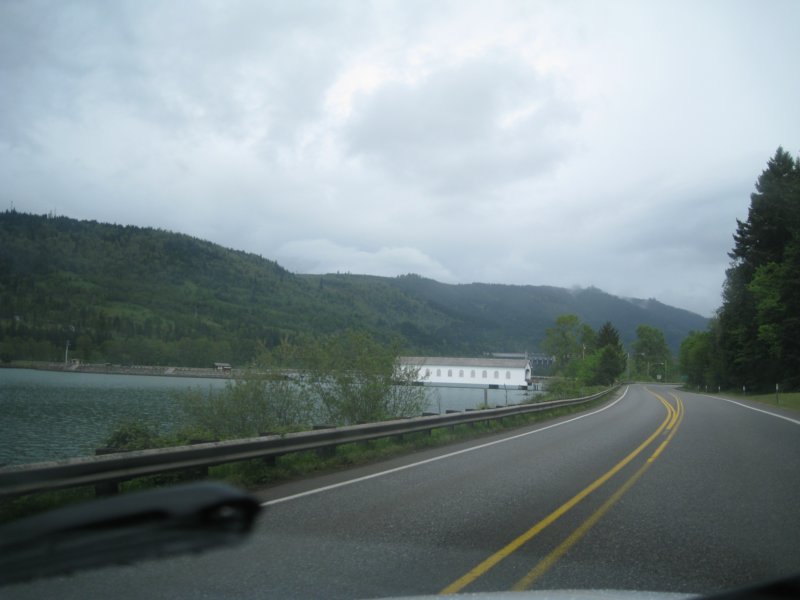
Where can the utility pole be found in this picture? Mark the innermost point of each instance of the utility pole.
(66, 355)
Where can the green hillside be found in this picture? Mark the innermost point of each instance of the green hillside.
(126, 294)
(515, 317)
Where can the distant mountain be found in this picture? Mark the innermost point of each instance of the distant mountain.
(519, 315)
(127, 294)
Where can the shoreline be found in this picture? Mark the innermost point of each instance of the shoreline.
(110, 369)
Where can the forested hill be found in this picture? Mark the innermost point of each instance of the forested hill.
(127, 294)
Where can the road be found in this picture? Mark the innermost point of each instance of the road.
(658, 489)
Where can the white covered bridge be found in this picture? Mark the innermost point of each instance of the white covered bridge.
(482, 372)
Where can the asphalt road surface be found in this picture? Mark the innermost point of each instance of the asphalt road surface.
(658, 490)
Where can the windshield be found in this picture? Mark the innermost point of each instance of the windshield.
(469, 296)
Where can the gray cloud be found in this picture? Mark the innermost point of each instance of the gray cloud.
(482, 123)
(560, 144)
(323, 256)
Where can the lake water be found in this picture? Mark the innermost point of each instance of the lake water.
(51, 415)
(48, 415)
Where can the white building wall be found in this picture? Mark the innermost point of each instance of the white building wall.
(484, 375)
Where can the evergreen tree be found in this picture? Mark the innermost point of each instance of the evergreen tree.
(612, 359)
(760, 316)
(772, 220)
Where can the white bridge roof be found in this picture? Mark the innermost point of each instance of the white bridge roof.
(454, 361)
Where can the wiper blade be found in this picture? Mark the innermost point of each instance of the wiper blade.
(180, 519)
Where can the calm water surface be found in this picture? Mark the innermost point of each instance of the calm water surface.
(53, 415)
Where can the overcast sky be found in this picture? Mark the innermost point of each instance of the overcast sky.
(562, 143)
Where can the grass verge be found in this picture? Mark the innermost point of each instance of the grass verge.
(789, 400)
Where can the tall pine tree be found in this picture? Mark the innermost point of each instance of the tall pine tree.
(612, 360)
(760, 316)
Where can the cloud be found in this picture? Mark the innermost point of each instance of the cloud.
(252, 72)
(324, 256)
(529, 143)
(482, 123)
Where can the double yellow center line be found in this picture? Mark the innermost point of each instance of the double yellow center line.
(670, 425)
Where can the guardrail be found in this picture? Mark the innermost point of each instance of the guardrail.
(107, 471)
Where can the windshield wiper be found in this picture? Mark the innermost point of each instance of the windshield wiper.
(176, 520)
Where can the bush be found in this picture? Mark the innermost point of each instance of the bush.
(338, 380)
(356, 379)
(132, 435)
(248, 407)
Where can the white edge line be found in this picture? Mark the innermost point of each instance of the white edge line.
(766, 412)
(435, 458)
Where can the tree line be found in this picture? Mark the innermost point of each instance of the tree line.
(598, 357)
(753, 342)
